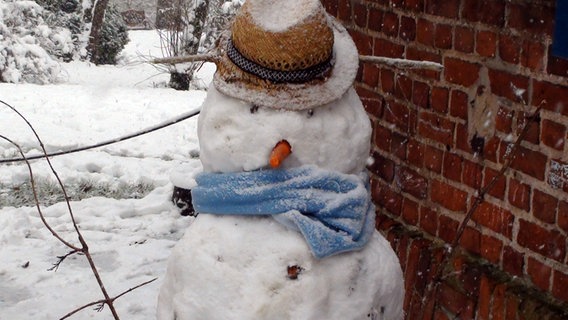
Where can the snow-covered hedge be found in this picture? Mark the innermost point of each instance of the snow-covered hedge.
(27, 43)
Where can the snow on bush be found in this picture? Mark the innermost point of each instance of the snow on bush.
(27, 43)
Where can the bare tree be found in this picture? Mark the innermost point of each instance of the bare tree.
(97, 23)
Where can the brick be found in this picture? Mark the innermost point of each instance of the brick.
(536, 19)
(495, 218)
(448, 8)
(443, 36)
(498, 190)
(437, 128)
(519, 194)
(544, 206)
(375, 22)
(553, 134)
(415, 155)
(491, 249)
(382, 137)
(513, 261)
(461, 72)
(410, 212)
(331, 7)
(472, 174)
(504, 120)
(429, 220)
(372, 101)
(464, 39)
(559, 285)
(397, 114)
(447, 229)
(455, 301)
(557, 66)
(399, 144)
(563, 215)
(382, 167)
(462, 138)
(471, 240)
(539, 273)
(363, 41)
(449, 197)
(412, 182)
(558, 175)
(486, 43)
(390, 24)
(439, 99)
(532, 55)
(425, 31)
(387, 81)
(549, 243)
(498, 307)
(459, 104)
(511, 86)
(370, 74)
(386, 48)
(486, 287)
(420, 94)
(530, 162)
(390, 200)
(413, 53)
(551, 96)
(490, 12)
(407, 30)
(491, 149)
(509, 49)
(452, 166)
(433, 158)
(403, 88)
(513, 306)
(344, 10)
(360, 15)
(414, 5)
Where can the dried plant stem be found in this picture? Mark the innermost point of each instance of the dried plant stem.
(479, 199)
(184, 59)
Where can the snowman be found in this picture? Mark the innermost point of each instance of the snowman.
(286, 227)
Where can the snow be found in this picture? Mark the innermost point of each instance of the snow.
(279, 16)
(130, 238)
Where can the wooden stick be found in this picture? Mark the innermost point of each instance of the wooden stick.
(184, 59)
(402, 63)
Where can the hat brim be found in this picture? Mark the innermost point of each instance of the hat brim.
(234, 82)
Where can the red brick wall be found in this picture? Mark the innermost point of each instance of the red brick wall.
(439, 137)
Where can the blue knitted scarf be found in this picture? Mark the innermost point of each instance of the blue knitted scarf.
(332, 210)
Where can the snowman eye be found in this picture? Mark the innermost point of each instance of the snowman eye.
(254, 108)
(310, 113)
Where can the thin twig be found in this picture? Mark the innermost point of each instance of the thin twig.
(479, 199)
(402, 63)
(211, 57)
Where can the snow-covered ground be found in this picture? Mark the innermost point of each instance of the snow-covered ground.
(130, 238)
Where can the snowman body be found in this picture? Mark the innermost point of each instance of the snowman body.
(253, 267)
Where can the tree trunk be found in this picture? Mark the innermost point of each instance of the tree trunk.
(97, 23)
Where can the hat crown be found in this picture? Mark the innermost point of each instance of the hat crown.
(283, 35)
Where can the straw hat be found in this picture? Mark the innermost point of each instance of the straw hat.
(286, 54)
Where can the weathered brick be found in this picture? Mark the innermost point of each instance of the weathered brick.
(386, 48)
(533, 127)
(449, 197)
(370, 74)
(410, 211)
(331, 7)
(563, 215)
(437, 128)
(513, 261)
(456, 302)
(382, 137)
(471, 240)
(429, 220)
(414, 5)
(532, 55)
(412, 182)
(443, 36)
(509, 49)
(532, 18)
(519, 194)
(551, 96)
(387, 80)
(407, 29)
(461, 72)
(559, 285)
(448, 8)
(549, 243)
(511, 86)
(491, 248)
(539, 273)
(495, 218)
(462, 137)
(390, 24)
(389, 199)
(472, 174)
(439, 99)
(557, 66)
(447, 228)
(382, 167)
(486, 43)
(498, 190)
(459, 104)
(372, 101)
(413, 53)
(486, 287)
(360, 15)
(491, 12)
(528, 161)
(464, 39)
(344, 10)
(397, 114)
(420, 94)
(498, 306)
(544, 206)
(504, 120)
(403, 87)
(452, 166)
(363, 41)
(399, 144)
(553, 134)
(375, 22)
(425, 31)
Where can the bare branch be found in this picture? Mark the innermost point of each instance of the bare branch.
(61, 259)
(212, 57)
(402, 63)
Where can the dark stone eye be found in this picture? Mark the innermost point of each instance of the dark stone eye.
(310, 113)
(254, 108)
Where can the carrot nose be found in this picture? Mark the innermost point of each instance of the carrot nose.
(280, 152)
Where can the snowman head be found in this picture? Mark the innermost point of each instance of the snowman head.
(286, 54)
